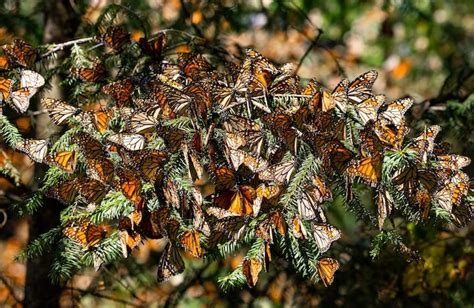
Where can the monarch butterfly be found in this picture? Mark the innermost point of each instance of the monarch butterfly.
(239, 202)
(327, 267)
(91, 189)
(385, 205)
(227, 228)
(462, 214)
(121, 91)
(286, 81)
(58, 110)
(239, 157)
(369, 169)
(452, 161)
(114, 37)
(367, 109)
(224, 179)
(251, 267)
(130, 185)
(21, 53)
(324, 235)
(86, 233)
(279, 173)
(5, 88)
(337, 155)
(140, 122)
(390, 135)
(309, 207)
(193, 65)
(31, 80)
(101, 119)
(360, 89)
(89, 146)
(65, 192)
(131, 142)
(94, 74)
(298, 228)
(424, 144)
(20, 99)
(412, 176)
(149, 163)
(129, 240)
(190, 241)
(154, 47)
(170, 264)
(338, 97)
(65, 160)
(4, 63)
(394, 111)
(319, 190)
(100, 168)
(450, 194)
(35, 149)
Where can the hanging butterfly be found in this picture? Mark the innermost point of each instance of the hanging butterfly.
(89, 146)
(30, 82)
(394, 112)
(367, 109)
(450, 193)
(94, 74)
(21, 53)
(325, 235)
(235, 202)
(154, 47)
(131, 142)
(93, 191)
(190, 241)
(170, 264)
(65, 160)
(150, 163)
(86, 233)
(360, 89)
(327, 267)
(309, 207)
(121, 91)
(424, 144)
(35, 149)
(251, 267)
(101, 169)
(298, 228)
(58, 110)
(65, 191)
(337, 98)
(101, 119)
(140, 122)
(385, 205)
(4, 63)
(114, 37)
(5, 88)
(130, 185)
(369, 169)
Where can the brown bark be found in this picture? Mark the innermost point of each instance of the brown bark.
(61, 21)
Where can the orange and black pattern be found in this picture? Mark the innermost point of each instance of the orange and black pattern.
(205, 155)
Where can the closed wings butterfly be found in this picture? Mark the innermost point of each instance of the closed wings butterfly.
(59, 111)
(131, 142)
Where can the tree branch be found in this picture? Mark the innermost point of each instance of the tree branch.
(58, 47)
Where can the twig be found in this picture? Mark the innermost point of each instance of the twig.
(61, 46)
(10, 289)
(308, 50)
(125, 286)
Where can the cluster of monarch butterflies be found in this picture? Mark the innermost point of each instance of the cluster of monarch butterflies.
(208, 156)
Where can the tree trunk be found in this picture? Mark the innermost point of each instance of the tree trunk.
(61, 21)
